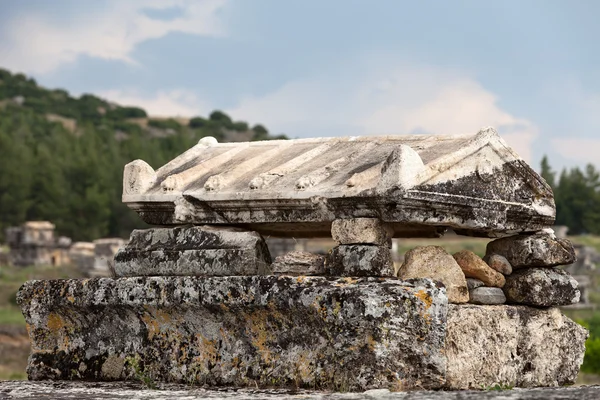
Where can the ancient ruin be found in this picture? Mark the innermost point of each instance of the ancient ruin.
(34, 243)
(199, 299)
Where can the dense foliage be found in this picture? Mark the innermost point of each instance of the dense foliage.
(577, 197)
(591, 361)
(62, 158)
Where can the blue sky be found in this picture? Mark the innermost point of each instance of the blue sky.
(332, 67)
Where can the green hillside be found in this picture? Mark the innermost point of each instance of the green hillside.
(62, 157)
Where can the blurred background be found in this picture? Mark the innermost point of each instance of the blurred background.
(86, 87)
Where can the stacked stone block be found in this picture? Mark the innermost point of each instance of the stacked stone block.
(363, 248)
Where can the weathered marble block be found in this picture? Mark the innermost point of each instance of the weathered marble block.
(315, 332)
(536, 250)
(193, 250)
(542, 287)
(511, 345)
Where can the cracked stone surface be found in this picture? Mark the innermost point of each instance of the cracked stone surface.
(512, 345)
(244, 331)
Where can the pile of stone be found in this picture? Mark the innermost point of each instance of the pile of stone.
(516, 269)
(199, 299)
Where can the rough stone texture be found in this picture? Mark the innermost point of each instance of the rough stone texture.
(74, 390)
(541, 287)
(473, 283)
(361, 231)
(419, 184)
(498, 263)
(435, 263)
(474, 267)
(299, 263)
(193, 250)
(487, 295)
(536, 250)
(315, 332)
(512, 345)
(360, 260)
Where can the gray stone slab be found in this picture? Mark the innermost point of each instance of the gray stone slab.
(193, 250)
(487, 295)
(312, 332)
(75, 390)
(512, 346)
(543, 287)
(473, 283)
(542, 249)
(360, 260)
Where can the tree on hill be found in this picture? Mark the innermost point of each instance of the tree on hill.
(577, 197)
(74, 179)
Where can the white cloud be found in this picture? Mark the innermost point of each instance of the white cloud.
(172, 103)
(399, 100)
(578, 150)
(36, 43)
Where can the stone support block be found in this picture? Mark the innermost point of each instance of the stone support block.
(361, 231)
(498, 263)
(435, 263)
(474, 267)
(511, 346)
(276, 331)
(299, 263)
(193, 250)
(487, 295)
(541, 287)
(537, 250)
(360, 260)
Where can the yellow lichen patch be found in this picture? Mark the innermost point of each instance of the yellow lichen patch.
(71, 299)
(55, 322)
(337, 307)
(303, 370)
(208, 351)
(300, 279)
(425, 298)
(154, 320)
(370, 342)
(260, 333)
(151, 325)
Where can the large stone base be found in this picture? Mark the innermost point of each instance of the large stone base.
(514, 346)
(312, 332)
(282, 331)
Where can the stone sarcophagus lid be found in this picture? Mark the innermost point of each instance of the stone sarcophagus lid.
(417, 184)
